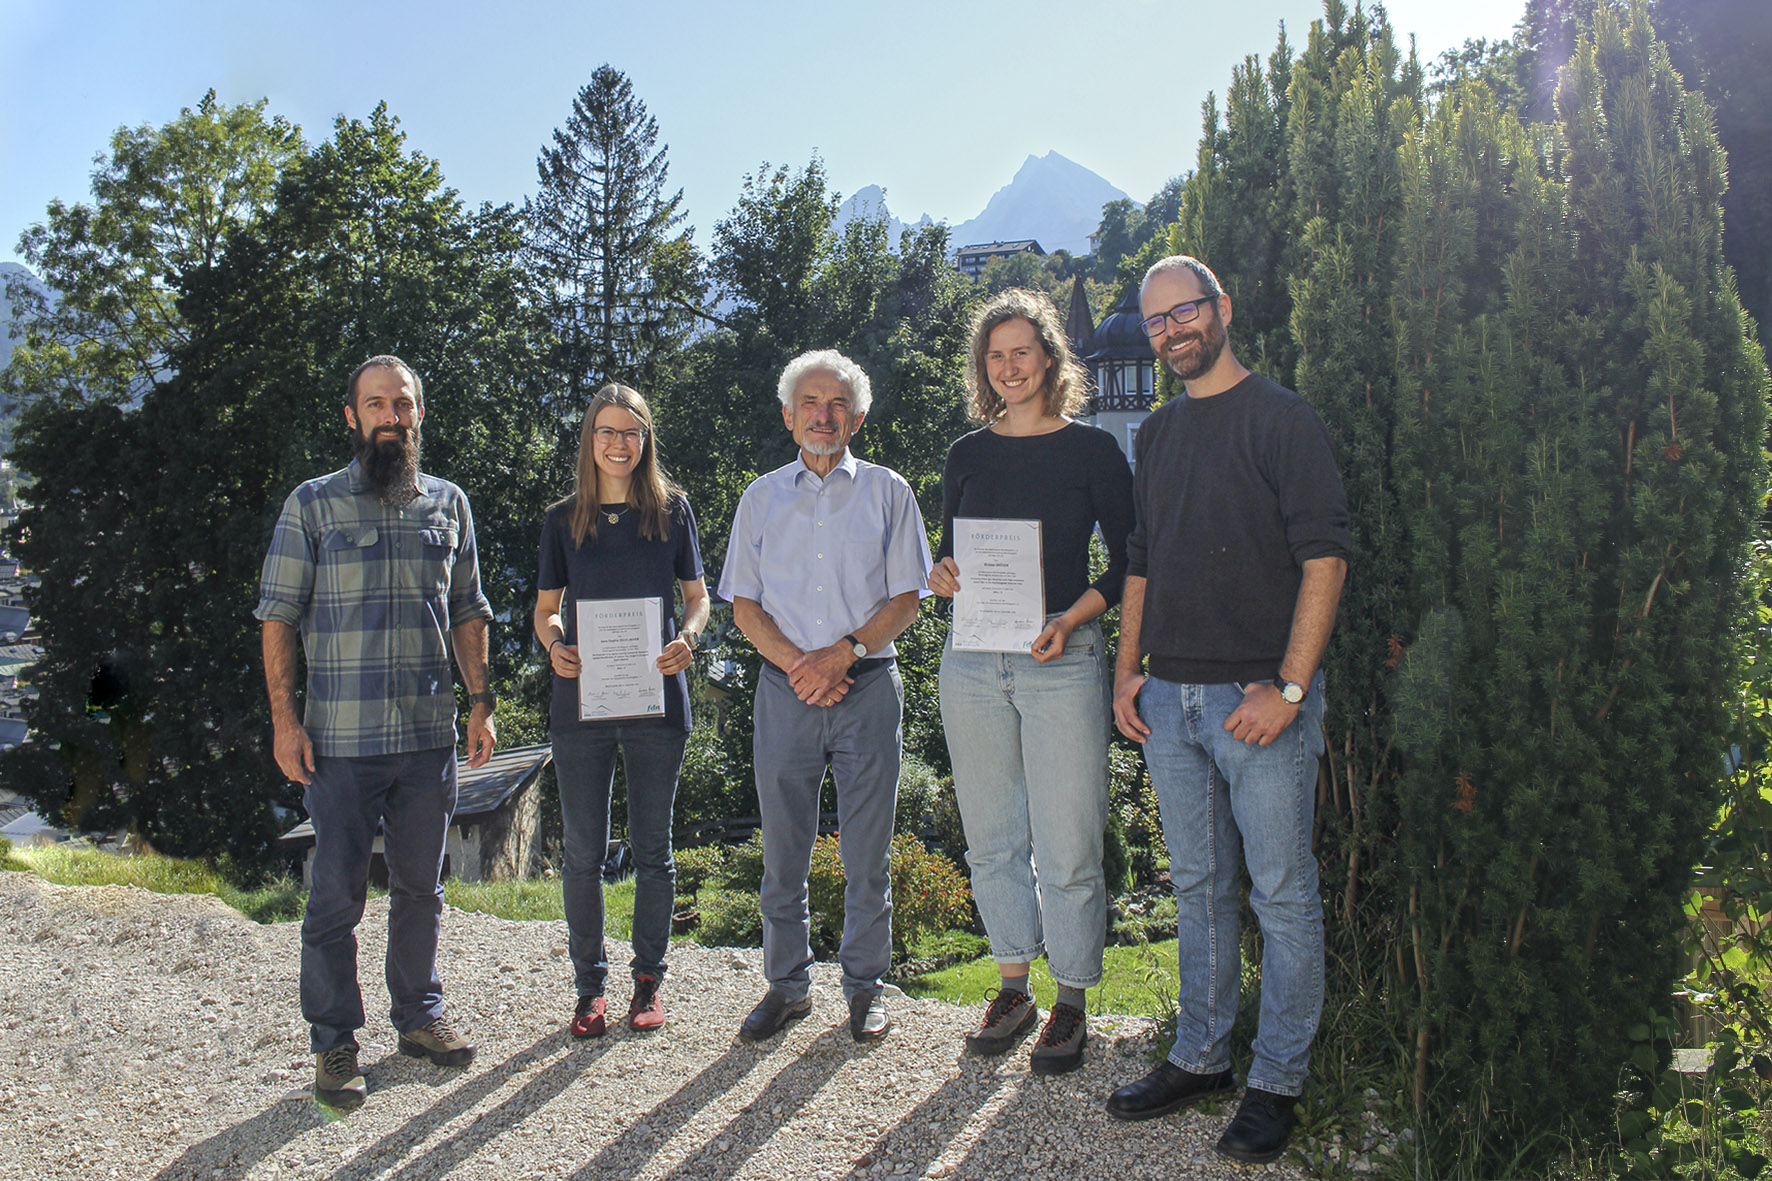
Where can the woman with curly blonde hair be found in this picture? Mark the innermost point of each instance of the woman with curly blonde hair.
(1028, 731)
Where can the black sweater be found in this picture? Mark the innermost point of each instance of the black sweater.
(1235, 492)
(1068, 480)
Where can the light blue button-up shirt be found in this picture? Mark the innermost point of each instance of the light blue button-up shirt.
(823, 556)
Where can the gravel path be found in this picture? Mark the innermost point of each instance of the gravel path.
(148, 1035)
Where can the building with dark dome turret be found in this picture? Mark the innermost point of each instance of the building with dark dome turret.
(1122, 372)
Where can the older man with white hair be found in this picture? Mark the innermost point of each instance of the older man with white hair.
(827, 562)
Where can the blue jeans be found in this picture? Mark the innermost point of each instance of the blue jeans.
(411, 798)
(584, 766)
(1029, 748)
(859, 740)
(1212, 789)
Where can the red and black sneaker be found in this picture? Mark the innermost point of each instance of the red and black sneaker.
(646, 1010)
(588, 1019)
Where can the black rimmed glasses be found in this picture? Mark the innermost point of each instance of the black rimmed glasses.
(1181, 313)
(608, 434)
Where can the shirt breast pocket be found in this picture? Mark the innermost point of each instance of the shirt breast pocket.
(350, 560)
(861, 566)
(437, 549)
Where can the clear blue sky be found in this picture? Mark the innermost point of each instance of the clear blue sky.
(939, 102)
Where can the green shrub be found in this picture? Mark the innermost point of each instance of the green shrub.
(919, 789)
(929, 892)
(696, 865)
(714, 783)
(1148, 919)
(744, 864)
(948, 832)
(1133, 820)
(730, 918)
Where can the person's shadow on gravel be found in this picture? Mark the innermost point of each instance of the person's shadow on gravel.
(440, 1159)
(671, 1115)
(236, 1150)
(797, 1082)
(232, 1152)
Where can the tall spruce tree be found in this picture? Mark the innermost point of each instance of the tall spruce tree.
(606, 236)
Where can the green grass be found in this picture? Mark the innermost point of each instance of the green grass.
(1138, 981)
(541, 899)
(69, 865)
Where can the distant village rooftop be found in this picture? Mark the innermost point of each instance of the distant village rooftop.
(971, 260)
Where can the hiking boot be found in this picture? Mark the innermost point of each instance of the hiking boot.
(588, 1018)
(1010, 1014)
(438, 1041)
(1261, 1128)
(338, 1083)
(1060, 1048)
(646, 1010)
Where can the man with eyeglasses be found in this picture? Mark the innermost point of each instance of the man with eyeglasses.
(1235, 572)
(827, 563)
(373, 575)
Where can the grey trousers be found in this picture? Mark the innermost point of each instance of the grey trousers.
(859, 739)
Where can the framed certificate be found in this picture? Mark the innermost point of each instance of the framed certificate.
(1001, 606)
(618, 647)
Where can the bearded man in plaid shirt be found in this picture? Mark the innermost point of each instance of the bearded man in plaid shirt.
(374, 569)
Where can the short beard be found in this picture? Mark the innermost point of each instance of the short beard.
(1211, 347)
(391, 466)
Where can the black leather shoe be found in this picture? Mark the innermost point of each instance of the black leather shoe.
(772, 1014)
(868, 1021)
(1263, 1124)
(1165, 1089)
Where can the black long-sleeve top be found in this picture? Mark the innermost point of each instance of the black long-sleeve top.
(1235, 493)
(1069, 480)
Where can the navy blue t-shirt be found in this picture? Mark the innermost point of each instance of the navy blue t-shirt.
(618, 564)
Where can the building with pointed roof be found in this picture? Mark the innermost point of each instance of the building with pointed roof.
(1122, 371)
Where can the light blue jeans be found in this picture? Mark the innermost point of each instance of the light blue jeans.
(1029, 747)
(1213, 789)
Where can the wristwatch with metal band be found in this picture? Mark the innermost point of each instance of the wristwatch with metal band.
(489, 699)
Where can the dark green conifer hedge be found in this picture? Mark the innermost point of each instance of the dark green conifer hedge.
(1550, 414)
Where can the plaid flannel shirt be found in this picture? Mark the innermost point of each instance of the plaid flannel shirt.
(374, 591)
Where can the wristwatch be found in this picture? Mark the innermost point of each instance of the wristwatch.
(489, 699)
(689, 636)
(856, 646)
(1291, 691)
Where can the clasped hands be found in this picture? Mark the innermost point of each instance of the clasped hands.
(821, 677)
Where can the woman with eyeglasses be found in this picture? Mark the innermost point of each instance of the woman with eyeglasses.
(1028, 731)
(625, 532)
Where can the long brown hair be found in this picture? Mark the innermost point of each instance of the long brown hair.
(1067, 385)
(649, 490)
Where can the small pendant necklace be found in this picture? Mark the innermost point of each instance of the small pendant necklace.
(614, 517)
